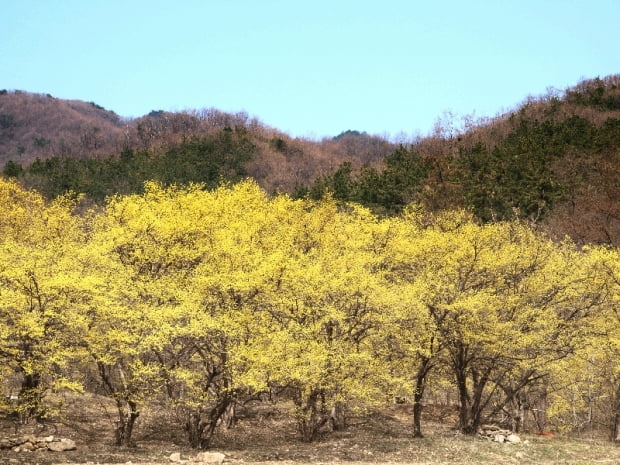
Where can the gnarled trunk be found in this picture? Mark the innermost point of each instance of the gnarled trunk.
(465, 421)
(29, 399)
(418, 394)
(127, 416)
(127, 408)
(311, 414)
(338, 416)
(201, 425)
(194, 427)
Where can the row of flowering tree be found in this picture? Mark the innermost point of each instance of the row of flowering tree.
(210, 297)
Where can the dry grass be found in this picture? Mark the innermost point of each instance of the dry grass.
(265, 434)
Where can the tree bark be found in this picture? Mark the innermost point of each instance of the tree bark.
(615, 425)
(478, 404)
(127, 416)
(127, 409)
(202, 424)
(338, 417)
(464, 401)
(311, 415)
(418, 394)
(194, 428)
(460, 365)
(29, 399)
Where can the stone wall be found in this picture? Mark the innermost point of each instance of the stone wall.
(30, 443)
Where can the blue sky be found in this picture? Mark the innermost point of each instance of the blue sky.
(311, 69)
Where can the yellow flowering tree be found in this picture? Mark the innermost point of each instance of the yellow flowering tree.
(43, 300)
(183, 271)
(494, 304)
(585, 386)
(606, 348)
(242, 232)
(143, 252)
(319, 314)
(218, 295)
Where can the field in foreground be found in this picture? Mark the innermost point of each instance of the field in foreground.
(266, 435)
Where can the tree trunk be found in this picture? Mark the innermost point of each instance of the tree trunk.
(460, 365)
(229, 416)
(311, 415)
(418, 394)
(127, 416)
(338, 417)
(201, 425)
(615, 425)
(477, 404)
(29, 399)
(518, 412)
(417, 415)
(217, 415)
(310, 425)
(464, 401)
(472, 403)
(615, 429)
(127, 409)
(194, 428)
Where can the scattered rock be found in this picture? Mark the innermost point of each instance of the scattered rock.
(209, 458)
(175, 457)
(497, 434)
(61, 445)
(40, 445)
(27, 447)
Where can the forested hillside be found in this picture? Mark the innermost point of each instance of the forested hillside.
(40, 126)
(553, 161)
(55, 145)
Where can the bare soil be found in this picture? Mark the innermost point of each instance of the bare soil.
(265, 435)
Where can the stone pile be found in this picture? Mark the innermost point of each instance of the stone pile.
(497, 434)
(29, 443)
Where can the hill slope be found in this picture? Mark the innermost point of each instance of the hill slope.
(36, 125)
(553, 161)
(57, 132)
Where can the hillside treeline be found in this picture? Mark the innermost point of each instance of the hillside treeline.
(204, 299)
(208, 160)
(553, 161)
(71, 142)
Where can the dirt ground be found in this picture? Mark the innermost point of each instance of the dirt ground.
(265, 434)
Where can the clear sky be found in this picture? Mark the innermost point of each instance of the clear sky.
(309, 68)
